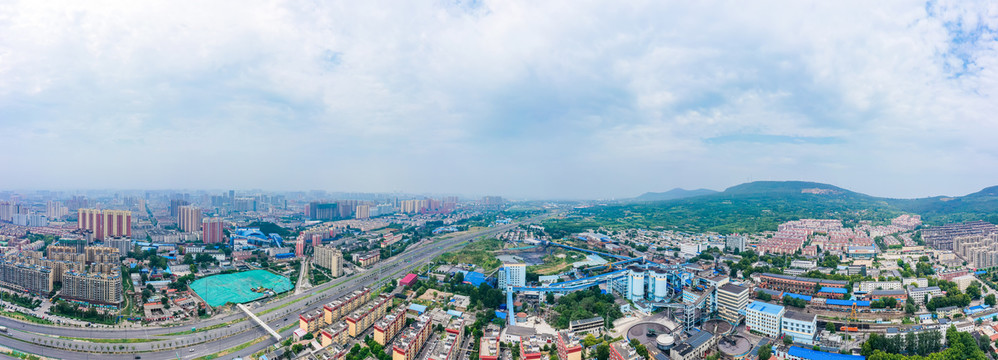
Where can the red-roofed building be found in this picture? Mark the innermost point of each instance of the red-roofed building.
(408, 280)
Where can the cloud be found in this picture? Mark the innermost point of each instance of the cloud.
(525, 99)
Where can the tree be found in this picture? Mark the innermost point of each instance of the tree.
(602, 351)
(787, 340)
(909, 307)
(990, 300)
(765, 352)
(830, 327)
(549, 297)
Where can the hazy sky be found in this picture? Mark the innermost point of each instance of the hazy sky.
(549, 99)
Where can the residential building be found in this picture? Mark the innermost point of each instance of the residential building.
(94, 288)
(868, 286)
(310, 321)
(389, 326)
(412, 339)
(369, 258)
(189, 218)
(339, 308)
(764, 318)
(330, 258)
(735, 242)
(212, 230)
(530, 348)
(361, 319)
(105, 223)
(569, 347)
(488, 348)
(592, 325)
(731, 302)
(918, 294)
(622, 350)
(33, 279)
(800, 326)
(124, 245)
(942, 237)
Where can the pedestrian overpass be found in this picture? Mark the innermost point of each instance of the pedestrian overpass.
(260, 322)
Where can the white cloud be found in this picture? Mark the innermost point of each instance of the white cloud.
(513, 97)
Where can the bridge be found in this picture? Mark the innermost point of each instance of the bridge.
(260, 322)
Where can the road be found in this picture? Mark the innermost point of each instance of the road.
(28, 337)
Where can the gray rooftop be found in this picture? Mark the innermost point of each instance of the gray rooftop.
(799, 316)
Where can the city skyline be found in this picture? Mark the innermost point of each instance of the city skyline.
(496, 98)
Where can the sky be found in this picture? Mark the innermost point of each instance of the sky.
(525, 99)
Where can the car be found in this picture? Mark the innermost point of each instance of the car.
(138, 357)
(192, 350)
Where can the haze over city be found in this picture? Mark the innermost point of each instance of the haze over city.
(515, 98)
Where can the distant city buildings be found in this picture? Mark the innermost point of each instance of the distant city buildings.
(329, 258)
(105, 223)
(212, 230)
(942, 237)
(189, 218)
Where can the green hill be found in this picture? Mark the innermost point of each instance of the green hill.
(763, 205)
(673, 194)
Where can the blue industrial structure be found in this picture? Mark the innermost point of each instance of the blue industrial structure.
(649, 286)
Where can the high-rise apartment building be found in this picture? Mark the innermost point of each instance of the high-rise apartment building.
(95, 288)
(363, 211)
(212, 230)
(189, 218)
(105, 223)
(329, 258)
(54, 210)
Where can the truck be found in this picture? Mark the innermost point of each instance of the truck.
(3, 329)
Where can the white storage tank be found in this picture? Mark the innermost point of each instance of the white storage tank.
(661, 278)
(637, 283)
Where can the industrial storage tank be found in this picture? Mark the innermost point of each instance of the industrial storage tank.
(637, 282)
(661, 282)
(665, 342)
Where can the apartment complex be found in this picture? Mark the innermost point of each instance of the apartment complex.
(344, 305)
(735, 242)
(212, 230)
(25, 277)
(330, 258)
(189, 218)
(731, 302)
(361, 319)
(980, 250)
(764, 317)
(94, 288)
(389, 326)
(412, 339)
(942, 237)
(105, 223)
(447, 346)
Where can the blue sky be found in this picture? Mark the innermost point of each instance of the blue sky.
(555, 99)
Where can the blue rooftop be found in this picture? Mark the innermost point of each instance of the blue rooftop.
(501, 314)
(417, 308)
(820, 355)
(454, 313)
(765, 307)
(798, 296)
(833, 290)
(979, 272)
(847, 302)
(474, 278)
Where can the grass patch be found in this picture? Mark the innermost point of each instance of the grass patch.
(233, 349)
(110, 341)
(206, 328)
(479, 253)
(26, 317)
(283, 329)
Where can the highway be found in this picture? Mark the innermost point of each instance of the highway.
(27, 337)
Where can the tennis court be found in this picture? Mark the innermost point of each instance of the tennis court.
(239, 287)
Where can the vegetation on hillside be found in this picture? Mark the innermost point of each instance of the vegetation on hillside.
(478, 252)
(761, 206)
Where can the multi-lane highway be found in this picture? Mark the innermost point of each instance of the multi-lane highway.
(174, 342)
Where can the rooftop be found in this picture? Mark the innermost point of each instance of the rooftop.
(765, 307)
(732, 288)
(832, 290)
(799, 316)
